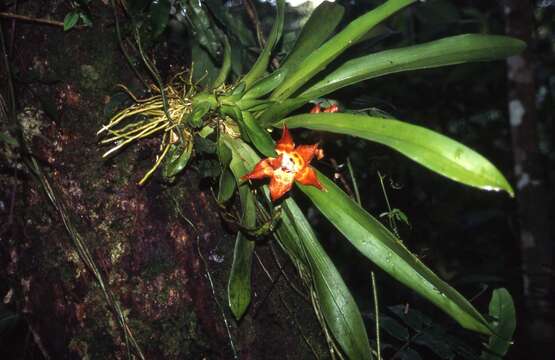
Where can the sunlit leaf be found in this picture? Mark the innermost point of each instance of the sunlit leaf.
(428, 148)
(448, 51)
(266, 85)
(319, 59)
(378, 244)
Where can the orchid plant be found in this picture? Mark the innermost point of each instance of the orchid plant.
(239, 117)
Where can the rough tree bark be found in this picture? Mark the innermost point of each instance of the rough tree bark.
(531, 185)
(153, 260)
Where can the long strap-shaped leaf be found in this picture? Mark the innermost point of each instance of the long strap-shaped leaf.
(331, 49)
(263, 60)
(239, 284)
(428, 148)
(335, 300)
(318, 28)
(448, 51)
(378, 244)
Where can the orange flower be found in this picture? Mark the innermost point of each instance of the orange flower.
(330, 109)
(292, 163)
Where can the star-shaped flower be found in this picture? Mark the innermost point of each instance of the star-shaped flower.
(291, 164)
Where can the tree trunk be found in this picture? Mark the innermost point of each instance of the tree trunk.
(162, 250)
(531, 185)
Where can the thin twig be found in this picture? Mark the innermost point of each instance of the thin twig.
(376, 315)
(12, 33)
(289, 282)
(253, 16)
(120, 41)
(213, 289)
(373, 276)
(299, 328)
(272, 285)
(354, 181)
(35, 20)
(341, 178)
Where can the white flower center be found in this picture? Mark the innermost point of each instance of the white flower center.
(288, 163)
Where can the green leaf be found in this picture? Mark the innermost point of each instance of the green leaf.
(394, 328)
(319, 59)
(224, 153)
(313, 33)
(227, 183)
(261, 64)
(334, 298)
(299, 241)
(226, 65)
(379, 245)
(254, 105)
(235, 113)
(258, 136)
(448, 51)
(205, 71)
(85, 19)
(428, 148)
(202, 27)
(226, 186)
(502, 309)
(232, 23)
(196, 116)
(70, 20)
(239, 285)
(159, 16)
(278, 111)
(5, 137)
(177, 159)
(265, 85)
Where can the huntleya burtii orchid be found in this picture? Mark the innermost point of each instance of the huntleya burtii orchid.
(292, 163)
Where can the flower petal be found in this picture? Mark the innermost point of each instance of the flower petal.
(279, 186)
(285, 144)
(307, 176)
(307, 152)
(261, 170)
(332, 109)
(316, 109)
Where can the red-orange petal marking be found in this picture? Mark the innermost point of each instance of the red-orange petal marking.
(279, 188)
(307, 152)
(307, 176)
(261, 170)
(332, 109)
(286, 143)
(316, 109)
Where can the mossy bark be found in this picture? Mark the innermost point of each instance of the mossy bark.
(156, 262)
